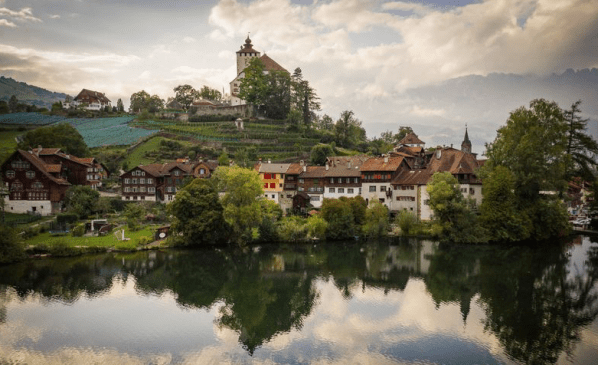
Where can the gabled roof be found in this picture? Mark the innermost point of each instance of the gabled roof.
(411, 138)
(41, 165)
(211, 165)
(163, 169)
(91, 96)
(413, 177)
(47, 151)
(294, 169)
(453, 161)
(345, 166)
(271, 65)
(379, 164)
(275, 168)
(408, 150)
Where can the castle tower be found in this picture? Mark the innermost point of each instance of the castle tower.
(466, 144)
(245, 54)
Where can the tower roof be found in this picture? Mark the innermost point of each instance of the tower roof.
(466, 139)
(247, 47)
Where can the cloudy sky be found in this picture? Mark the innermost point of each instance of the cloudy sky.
(435, 65)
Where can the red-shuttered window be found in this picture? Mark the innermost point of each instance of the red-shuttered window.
(267, 176)
(272, 185)
(265, 185)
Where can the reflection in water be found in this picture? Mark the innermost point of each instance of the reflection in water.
(535, 303)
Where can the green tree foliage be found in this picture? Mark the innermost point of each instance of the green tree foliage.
(198, 215)
(120, 107)
(223, 159)
(358, 207)
(4, 109)
(499, 213)
(319, 153)
(304, 99)
(581, 147)
(210, 94)
(403, 131)
(271, 214)
(61, 135)
(13, 104)
(293, 229)
(407, 222)
(271, 92)
(81, 200)
(452, 213)
(155, 104)
(532, 145)
(348, 131)
(139, 101)
(376, 220)
(339, 216)
(11, 245)
(242, 209)
(185, 94)
(316, 227)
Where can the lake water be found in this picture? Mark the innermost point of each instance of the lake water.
(394, 302)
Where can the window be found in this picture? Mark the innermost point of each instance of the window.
(312, 189)
(17, 185)
(142, 173)
(142, 181)
(272, 185)
(331, 190)
(471, 191)
(341, 190)
(127, 181)
(388, 176)
(150, 180)
(38, 185)
(356, 180)
(265, 185)
(382, 188)
(359, 191)
(372, 189)
(134, 181)
(18, 164)
(316, 181)
(426, 202)
(142, 189)
(320, 189)
(314, 198)
(127, 189)
(273, 196)
(300, 188)
(10, 174)
(267, 176)
(301, 181)
(280, 185)
(202, 171)
(350, 191)
(177, 172)
(30, 174)
(151, 189)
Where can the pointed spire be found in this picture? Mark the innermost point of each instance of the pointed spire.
(466, 139)
(466, 144)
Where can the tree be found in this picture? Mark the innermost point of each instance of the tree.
(155, 104)
(271, 92)
(253, 86)
(82, 200)
(4, 109)
(139, 101)
(120, 107)
(376, 220)
(348, 131)
(339, 216)
(13, 104)
(325, 123)
(303, 97)
(319, 153)
(185, 94)
(61, 135)
(11, 245)
(223, 159)
(198, 214)
(499, 213)
(582, 149)
(452, 214)
(242, 209)
(403, 131)
(210, 94)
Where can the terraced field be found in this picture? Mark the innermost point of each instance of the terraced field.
(108, 131)
(28, 119)
(271, 138)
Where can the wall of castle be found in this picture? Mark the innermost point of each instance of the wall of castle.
(233, 110)
(43, 207)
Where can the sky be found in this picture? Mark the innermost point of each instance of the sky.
(436, 66)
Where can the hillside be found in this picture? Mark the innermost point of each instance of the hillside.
(28, 94)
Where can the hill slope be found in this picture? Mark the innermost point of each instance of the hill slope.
(28, 94)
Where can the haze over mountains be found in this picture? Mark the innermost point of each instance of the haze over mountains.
(28, 94)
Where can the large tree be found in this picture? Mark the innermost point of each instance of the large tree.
(82, 200)
(303, 97)
(269, 91)
(348, 131)
(242, 209)
(210, 94)
(61, 135)
(185, 94)
(198, 214)
(582, 149)
(139, 101)
(120, 107)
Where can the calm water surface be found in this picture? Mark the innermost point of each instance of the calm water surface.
(396, 302)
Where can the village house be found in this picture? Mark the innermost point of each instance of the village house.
(343, 176)
(376, 176)
(273, 178)
(33, 185)
(92, 99)
(311, 181)
(76, 170)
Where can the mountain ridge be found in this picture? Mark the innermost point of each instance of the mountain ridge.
(28, 94)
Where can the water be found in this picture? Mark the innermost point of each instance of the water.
(395, 302)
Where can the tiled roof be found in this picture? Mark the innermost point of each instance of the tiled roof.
(276, 168)
(313, 172)
(453, 161)
(163, 169)
(411, 138)
(378, 164)
(294, 169)
(46, 151)
(84, 160)
(348, 166)
(413, 151)
(412, 177)
(54, 168)
(271, 65)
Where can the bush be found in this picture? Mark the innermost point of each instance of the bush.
(11, 245)
(292, 229)
(376, 220)
(316, 227)
(407, 222)
(144, 240)
(63, 219)
(79, 230)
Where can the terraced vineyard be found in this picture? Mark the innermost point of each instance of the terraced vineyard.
(271, 139)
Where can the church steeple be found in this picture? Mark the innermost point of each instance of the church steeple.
(466, 144)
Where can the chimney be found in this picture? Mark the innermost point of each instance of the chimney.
(259, 161)
(385, 158)
(269, 161)
(349, 164)
(301, 163)
(304, 168)
(327, 166)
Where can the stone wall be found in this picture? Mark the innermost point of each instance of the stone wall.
(233, 110)
(43, 207)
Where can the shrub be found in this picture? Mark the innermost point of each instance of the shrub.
(79, 230)
(316, 227)
(376, 220)
(292, 229)
(407, 222)
(63, 219)
(11, 245)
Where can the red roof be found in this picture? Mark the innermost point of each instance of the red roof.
(411, 138)
(271, 65)
(89, 96)
(379, 164)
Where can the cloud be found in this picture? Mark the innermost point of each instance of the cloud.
(24, 14)
(405, 6)
(189, 40)
(423, 112)
(55, 16)
(6, 23)
(353, 15)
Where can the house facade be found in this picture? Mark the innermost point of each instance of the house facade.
(94, 100)
(32, 185)
(76, 170)
(273, 177)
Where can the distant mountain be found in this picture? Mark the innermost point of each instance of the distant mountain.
(28, 94)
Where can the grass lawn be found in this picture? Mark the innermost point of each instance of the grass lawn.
(137, 156)
(104, 241)
(7, 143)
